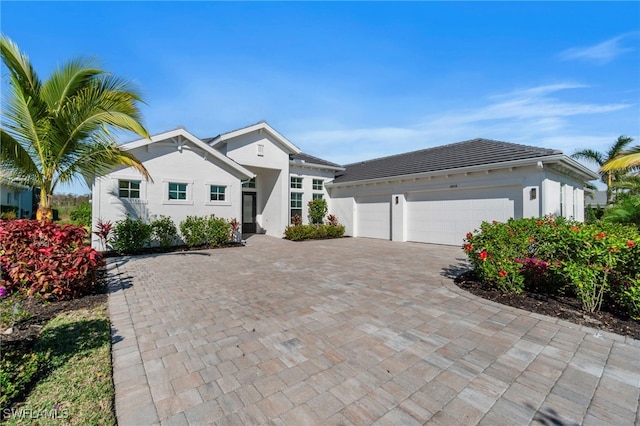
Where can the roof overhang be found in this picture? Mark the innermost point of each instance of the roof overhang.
(180, 136)
(578, 170)
(290, 148)
(304, 164)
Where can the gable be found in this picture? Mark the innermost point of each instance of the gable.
(166, 149)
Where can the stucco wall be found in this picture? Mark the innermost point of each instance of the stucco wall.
(166, 164)
(308, 174)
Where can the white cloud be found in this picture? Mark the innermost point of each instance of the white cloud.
(530, 116)
(601, 53)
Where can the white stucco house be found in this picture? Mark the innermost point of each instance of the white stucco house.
(16, 197)
(255, 174)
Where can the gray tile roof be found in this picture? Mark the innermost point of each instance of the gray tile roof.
(313, 160)
(469, 153)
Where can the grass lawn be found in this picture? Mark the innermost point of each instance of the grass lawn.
(74, 377)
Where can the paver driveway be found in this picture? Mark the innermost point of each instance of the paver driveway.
(349, 331)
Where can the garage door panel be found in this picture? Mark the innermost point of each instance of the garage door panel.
(374, 217)
(445, 217)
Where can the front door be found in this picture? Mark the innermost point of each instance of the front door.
(248, 212)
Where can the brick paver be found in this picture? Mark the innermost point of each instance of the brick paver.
(349, 331)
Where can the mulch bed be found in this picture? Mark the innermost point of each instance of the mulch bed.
(556, 306)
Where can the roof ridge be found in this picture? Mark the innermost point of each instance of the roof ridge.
(450, 145)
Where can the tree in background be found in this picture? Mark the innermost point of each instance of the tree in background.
(607, 176)
(59, 130)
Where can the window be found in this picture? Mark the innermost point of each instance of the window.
(177, 191)
(296, 203)
(129, 189)
(317, 184)
(251, 183)
(217, 193)
(318, 196)
(260, 150)
(296, 182)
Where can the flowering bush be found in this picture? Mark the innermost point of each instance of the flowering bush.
(46, 259)
(596, 262)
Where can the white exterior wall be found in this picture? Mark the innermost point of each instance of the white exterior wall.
(18, 197)
(272, 177)
(557, 188)
(166, 164)
(308, 174)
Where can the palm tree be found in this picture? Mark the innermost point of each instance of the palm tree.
(625, 160)
(610, 176)
(59, 130)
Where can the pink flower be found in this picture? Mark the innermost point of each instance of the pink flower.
(483, 255)
(3, 291)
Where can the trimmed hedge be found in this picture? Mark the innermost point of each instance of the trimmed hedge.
(311, 232)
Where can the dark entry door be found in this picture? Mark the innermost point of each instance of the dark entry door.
(248, 212)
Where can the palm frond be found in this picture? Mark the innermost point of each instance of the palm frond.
(624, 161)
(19, 66)
(618, 147)
(66, 80)
(99, 158)
(589, 155)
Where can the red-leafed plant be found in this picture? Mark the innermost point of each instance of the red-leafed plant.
(48, 260)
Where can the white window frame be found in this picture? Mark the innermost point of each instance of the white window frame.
(189, 191)
(291, 200)
(299, 180)
(227, 193)
(317, 196)
(129, 189)
(115, 191)
(314, 184)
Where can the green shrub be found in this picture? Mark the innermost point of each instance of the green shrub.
(205, 230)
(131, 235)
(164, 232)
(8, 212)
(194, 230)
(81, 215)
(310, 232)
(218, 231)
(18, 370)
(596, 262)
(317, 211)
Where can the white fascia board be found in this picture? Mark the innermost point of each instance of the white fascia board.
(292, 149)
(195, 141)
(315, 166)
(580, 168)
(470, 169)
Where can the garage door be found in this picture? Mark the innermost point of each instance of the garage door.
(374, 217)
(444, 217)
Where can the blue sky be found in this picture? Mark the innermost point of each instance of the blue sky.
(353, 81)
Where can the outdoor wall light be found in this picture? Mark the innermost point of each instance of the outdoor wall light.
(533, 193)
(397, 200)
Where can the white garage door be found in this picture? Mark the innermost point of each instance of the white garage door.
(445, 217)
(374, 217)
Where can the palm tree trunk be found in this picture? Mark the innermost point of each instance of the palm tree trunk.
(44, 212)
